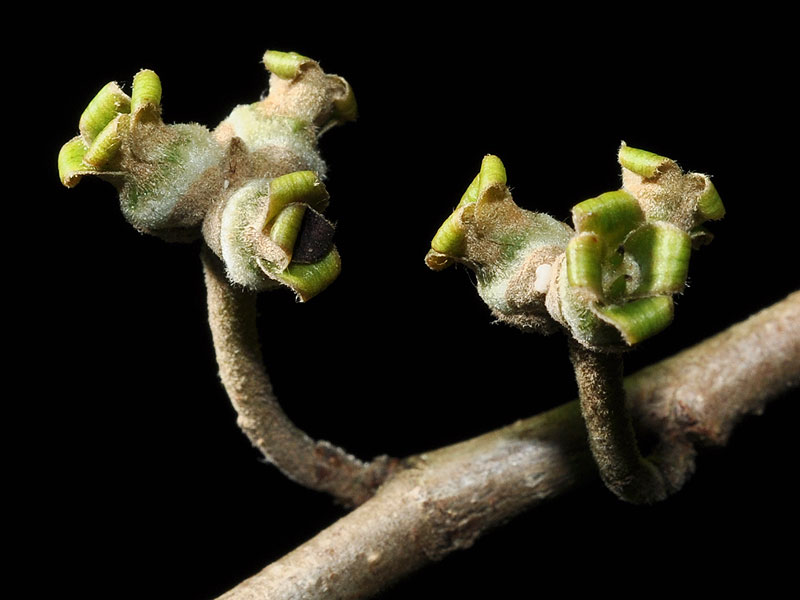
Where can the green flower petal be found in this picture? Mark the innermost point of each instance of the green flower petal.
(104, 107)
(70, 162)
(709, 204)
(146, 94)
(286, 227)
(309, 280)
(299, 186)
(493, 172)
(107, 143)
(639, 319)
(285, 65)
(584, 265)
(661, 251)
(644, 163)
(611, 216)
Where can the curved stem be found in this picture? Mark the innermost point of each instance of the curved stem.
(611, 436)
(318, 465)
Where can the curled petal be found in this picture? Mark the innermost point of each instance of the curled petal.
(639, 319)
(107, 142)
(70, 162)
(146, 96)
(286, 227)
(285, 65)
(308, 280)
(661, 252)
(584, 265)
(104, 107)
(493, 173)
(709, 204)
(611, 216)
(644, 163)
(299, 186)
(450, 239)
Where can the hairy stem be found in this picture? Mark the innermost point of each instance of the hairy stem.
(612, 439)
(318, 465)
(450, 497)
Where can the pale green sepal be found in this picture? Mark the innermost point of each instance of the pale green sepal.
(493, 172)
(107, 104)
(299, 186)
(107, 143)
(584, 265)
(639, 319)
(146, 95)
(644, 163)
(70, 162)
(709, 204)
(286, 227)
(309, 280)
(611, 216)
(285, 65)
(661, 251)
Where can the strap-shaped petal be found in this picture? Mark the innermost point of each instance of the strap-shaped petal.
(450, 239)
(146, 94)
(70, 162)
(308, 280)
(709, 204)
(471, 194)
(493, 173)
(285, 65)
(585, 265)
(639, 319)
(107, 142)
(644, 163)
(286, 227)
(611, 216)
(299, 186)
(104, 107)
(661, 251)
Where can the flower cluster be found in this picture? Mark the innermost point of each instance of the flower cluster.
(252, 188)
(609, 281)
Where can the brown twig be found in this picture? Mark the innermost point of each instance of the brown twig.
(449, 497)
(318, 465)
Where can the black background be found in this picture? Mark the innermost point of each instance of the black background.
(138, 476)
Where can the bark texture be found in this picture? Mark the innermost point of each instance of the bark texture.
(444, 500)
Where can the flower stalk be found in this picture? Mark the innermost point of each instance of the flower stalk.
(610, 430)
